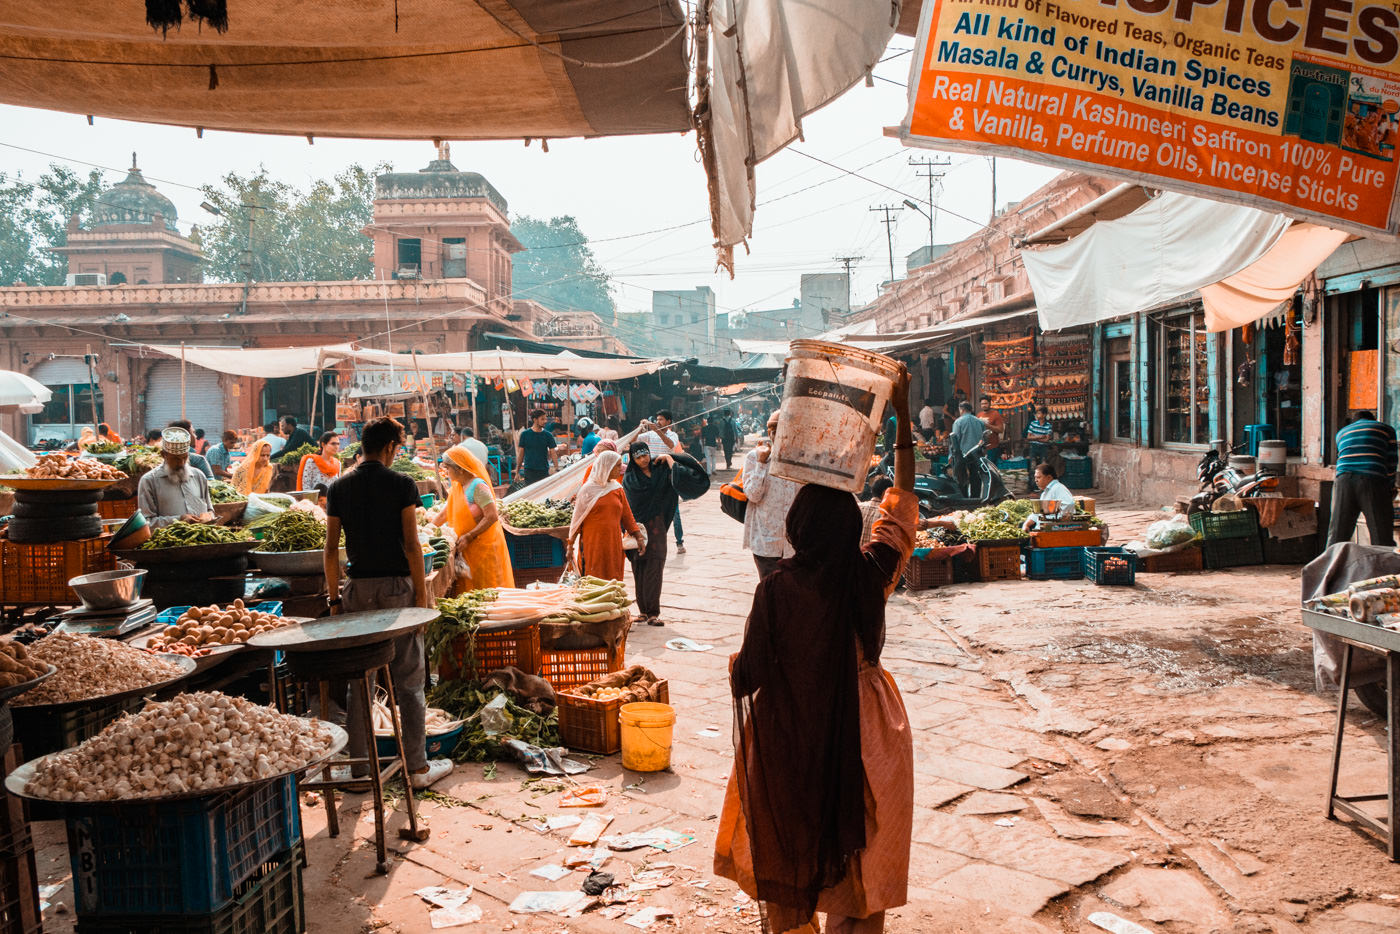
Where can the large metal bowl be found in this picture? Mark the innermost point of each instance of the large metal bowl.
(109, 590)
(293, 563)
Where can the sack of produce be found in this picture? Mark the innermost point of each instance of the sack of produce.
(632, 685)
(266, 504)
(1165, 533)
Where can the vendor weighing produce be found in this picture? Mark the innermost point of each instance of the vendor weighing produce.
(173, 492)
(1051, 491)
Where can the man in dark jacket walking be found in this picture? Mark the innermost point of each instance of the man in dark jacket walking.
(728, 438)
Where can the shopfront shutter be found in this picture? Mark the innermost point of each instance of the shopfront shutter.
(61, 372)
(204, 400)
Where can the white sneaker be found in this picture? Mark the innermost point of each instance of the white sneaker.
(437, 769)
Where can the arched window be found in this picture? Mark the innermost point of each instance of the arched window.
(116, 278)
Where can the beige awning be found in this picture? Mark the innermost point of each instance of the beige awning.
(1258, 290)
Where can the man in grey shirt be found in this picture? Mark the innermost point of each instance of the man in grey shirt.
(966, 434)
(174, 491)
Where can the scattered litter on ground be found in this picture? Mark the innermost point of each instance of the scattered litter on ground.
(597, 882)
(708, 732)
(649, 916)
(593, 796)
(1007, 821)
(561, 821)
(539, 761)
(558, 903)
(454, 917)
(660, 838)
(590, 830)
(551, 871)
(1116, 925)
(687, 645)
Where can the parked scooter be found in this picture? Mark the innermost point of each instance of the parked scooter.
(954, 489)
(1217, 478)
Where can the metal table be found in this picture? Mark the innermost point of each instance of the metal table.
(1385, 642)
(355, 647)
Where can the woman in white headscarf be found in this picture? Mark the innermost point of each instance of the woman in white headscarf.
(601, 515)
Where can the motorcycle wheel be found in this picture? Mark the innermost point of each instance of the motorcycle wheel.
(1373, 696)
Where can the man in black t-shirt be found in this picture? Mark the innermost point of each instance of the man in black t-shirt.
(377, 509)
(537, 449)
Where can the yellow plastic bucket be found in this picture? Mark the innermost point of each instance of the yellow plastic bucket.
(646, 736)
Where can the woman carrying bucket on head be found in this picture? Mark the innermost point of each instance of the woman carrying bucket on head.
(818, 814)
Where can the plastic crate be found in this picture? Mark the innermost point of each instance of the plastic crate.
(1299, 550)
(116, 508)
(517, 647)
(179, 857)
(1014, 463)
(19, 894)
(1173, 562)
(171, 616)
(1079, 538)
(1098, 569)
(928, 573)
(549, 575)
(534, 551)
(268, 902)
(1232, 552)
(1237, 523)
(1079, 472)
(572, 667)
(998, 562)
(38, 573)
(1047, 564)
(40, 731)
(591, 725)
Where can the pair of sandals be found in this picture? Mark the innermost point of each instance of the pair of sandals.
(649, 620)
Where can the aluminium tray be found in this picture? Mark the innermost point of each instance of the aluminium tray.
(187, 668)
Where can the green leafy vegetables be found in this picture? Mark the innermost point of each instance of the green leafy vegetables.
(185, 534)
(294, 457)
(408, 468)
(463, 700)
(458, 616)
(221, 491)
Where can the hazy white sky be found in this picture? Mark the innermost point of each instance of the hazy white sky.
(624, 191)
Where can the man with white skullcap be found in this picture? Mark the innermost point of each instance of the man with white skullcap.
(173, 492)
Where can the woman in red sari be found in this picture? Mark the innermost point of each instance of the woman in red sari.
(818, 815)
(601, 515)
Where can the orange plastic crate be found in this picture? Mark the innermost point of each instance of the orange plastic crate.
(570, 668)
(592, 725)
(519, 648)
(38, 573)
(1080, 538)
(999, 562)
(116, 508)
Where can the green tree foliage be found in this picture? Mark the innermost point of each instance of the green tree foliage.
(558, 268)
(34, 219)
(298, 236)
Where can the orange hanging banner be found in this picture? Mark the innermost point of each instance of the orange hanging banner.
(1288, 107)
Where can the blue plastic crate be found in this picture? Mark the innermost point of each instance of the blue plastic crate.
(1045, 564)
(535, 551)
(178, 857)
(1014, 463)
(171, 616)
(1079, 472)
(1096, 570)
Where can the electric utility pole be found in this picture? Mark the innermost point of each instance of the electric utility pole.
(889, 210)
(928, 166)
(848, 262)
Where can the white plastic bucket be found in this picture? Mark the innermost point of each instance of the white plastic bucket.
(1273, 457)
(834, 399)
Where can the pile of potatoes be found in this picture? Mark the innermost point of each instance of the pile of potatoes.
(203, 628)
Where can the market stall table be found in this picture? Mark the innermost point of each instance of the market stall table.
(354, 646)
(1385, 642)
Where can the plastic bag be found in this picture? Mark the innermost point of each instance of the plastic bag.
(266, 504)
(1166, 533)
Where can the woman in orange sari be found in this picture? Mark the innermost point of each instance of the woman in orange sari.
(254, 473)
(818, 815)
(601, 514)
(472, 512)
(321, 467)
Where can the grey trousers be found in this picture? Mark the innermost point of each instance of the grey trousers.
(407, 668)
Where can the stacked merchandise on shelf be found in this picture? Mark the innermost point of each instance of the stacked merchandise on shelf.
(1063, 377)
(1008, 372)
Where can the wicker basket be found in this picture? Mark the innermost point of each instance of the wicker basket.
(592, 725)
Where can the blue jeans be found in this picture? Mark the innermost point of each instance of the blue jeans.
(680, 532)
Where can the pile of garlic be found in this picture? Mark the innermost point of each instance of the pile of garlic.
(195, 742)
(89, 667)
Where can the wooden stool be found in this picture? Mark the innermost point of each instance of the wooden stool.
(360, 664)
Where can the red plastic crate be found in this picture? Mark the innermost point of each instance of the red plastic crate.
(38, 572)
(494, 650)
(592, 725)
(999, 562)
(928, 573)
(572, 667)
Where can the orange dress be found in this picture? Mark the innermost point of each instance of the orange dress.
(878, 877)
(600, 536)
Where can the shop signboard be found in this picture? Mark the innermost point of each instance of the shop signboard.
(1292, 107)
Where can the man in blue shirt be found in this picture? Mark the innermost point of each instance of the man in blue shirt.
(1038, 432)
(220, 456)
(536, 449)
(1365, 484)
(589, 432)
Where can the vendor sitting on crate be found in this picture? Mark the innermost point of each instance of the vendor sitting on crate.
(174, 492)
(1051, 491)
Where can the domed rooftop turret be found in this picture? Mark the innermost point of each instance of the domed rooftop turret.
(438, 179)
(132, 201)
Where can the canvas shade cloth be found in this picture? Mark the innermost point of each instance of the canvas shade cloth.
(1258, 290)
(492, 69)
(1171, 246)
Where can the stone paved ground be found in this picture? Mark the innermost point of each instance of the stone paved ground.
(1156, 753)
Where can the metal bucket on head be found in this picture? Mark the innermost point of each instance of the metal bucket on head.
(1273, 458)
(834, 398)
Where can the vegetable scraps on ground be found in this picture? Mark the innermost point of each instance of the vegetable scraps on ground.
(491, 719)
(184, 534)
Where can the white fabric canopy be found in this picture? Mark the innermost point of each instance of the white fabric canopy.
(18, 390)
(1255, 292)
(260, 362)
(1173, 245)
(775, 61)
